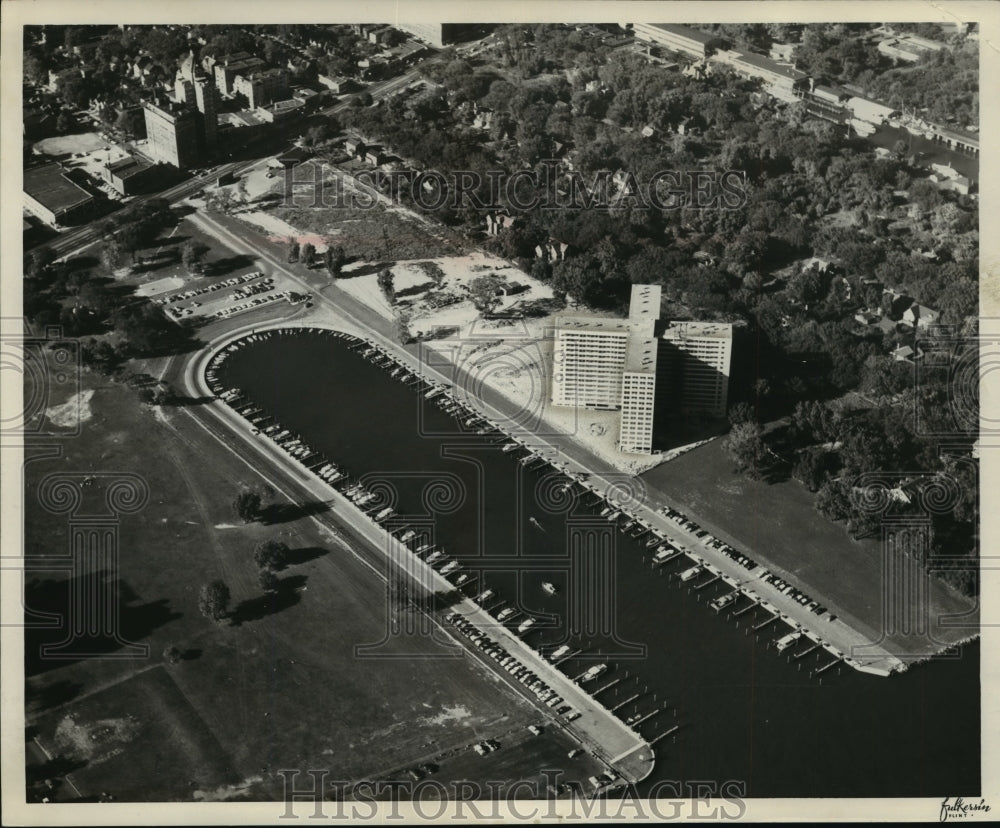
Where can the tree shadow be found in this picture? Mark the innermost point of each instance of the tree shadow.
(416, 289)
(287, 512)
(45, 697)
(220, 267)
(81, 263)
(366, 270)
(296, 557)
(440, 601)
(53, 643)
(57, 766)
(285, 596)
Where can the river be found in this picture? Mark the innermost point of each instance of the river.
(745, 712)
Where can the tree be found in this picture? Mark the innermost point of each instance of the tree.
(247, 506)
(270, 554)
(111, 255)
(269, 582)
(741, 413)
(402, 327)
(293, 250)
(171, 655)
(192, 255)
(485, 293)
(131, 239)
(65, 122)
(213, 602)
(385, 282)
(38, 261)
(746, 446)
(335, 260)
(308, 251)
(813, 466)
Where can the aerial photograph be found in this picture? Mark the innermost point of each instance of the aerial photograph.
(583, 415)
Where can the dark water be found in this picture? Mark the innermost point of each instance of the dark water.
(745, 712)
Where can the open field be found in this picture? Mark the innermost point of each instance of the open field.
(67, 144)
(281, 687)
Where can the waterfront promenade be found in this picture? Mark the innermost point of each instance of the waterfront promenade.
(600, 731)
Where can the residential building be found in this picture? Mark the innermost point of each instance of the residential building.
(50, 195)
(227, 69)
(698, 358)
(779, 76)
(639, 365)
(172, 132)
(920, 316)
(262, 88)
(280, 110)
(677, 38)
(638, 402)
(437, 34)
(588, 361)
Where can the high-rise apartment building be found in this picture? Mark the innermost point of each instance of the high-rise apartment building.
(182, 130)
(637, 364)
(172, 132)
(700, 354)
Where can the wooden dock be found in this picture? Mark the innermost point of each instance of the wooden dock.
(674, 729)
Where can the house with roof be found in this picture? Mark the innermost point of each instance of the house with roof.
(920, 316)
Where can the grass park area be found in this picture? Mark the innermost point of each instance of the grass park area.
(280, 687)
(777, 524)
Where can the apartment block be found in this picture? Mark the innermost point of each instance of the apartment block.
(638, 364)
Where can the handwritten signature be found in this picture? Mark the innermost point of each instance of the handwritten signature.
(960, 809)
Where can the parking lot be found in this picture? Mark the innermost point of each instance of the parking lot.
(225, 298)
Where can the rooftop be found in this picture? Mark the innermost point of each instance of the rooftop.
(683, 330)
(645, 303)
(684, 31)
(50, 187)
(127, 167)
(766, 64)
(598, 324)
(640, 358)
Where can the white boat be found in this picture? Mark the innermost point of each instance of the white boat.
(688, 574)
(451, 566)
(506, 613)
(549, 587)
(593, 672)
(559, 652)
(787, 641)
(526, 624)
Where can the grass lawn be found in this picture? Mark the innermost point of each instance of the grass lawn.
(779, 527)
(283, 688)
(77, 142)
